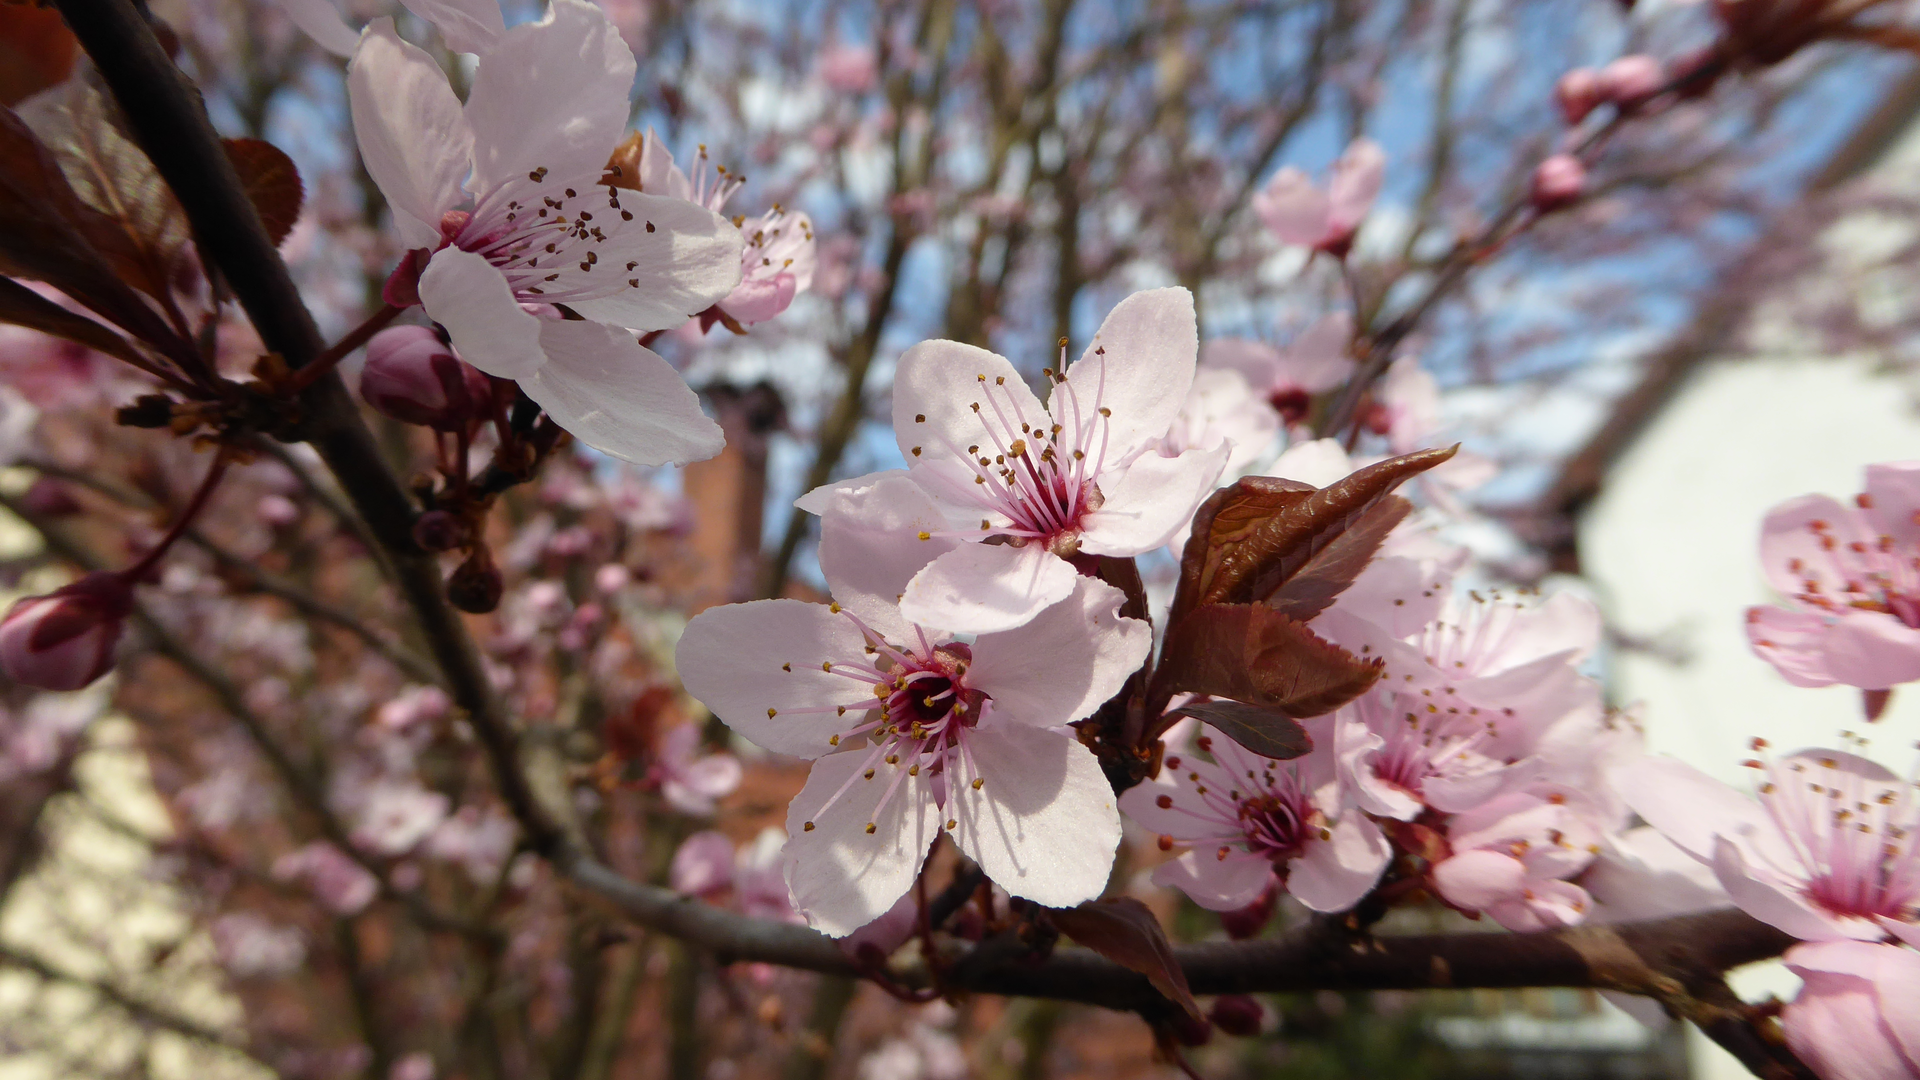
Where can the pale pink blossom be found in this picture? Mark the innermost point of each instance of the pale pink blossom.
(1512, 857)
(1857, 1016)
(1557, 181)
(394, 816)
(1631, 80)
(1577, 93)
(689, 780)
(916, 733)
(342, 885)
(702, 865)
(1830, 851)
(1244, 820)
(1316, 361)
(1042, 482)
(476, 840)
(1640, 874)
(849, 69)
(1851, 579)
(506, 193)
(1299, 213)
(1223, 411)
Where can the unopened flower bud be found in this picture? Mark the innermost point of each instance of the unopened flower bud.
(1248, 921)
(1577, 93)
(65, 639)
(1631, 80)
(1557, 182)
(1188, 1031)
(48, 497)
(412, 376)
(437, 530)
(475, 586)
(1237, 1014)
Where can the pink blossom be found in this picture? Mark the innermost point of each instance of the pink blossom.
(702, 865)
(478, 841)
(1299, 213)
(1855, 1017)
(915, 733)
(1631, 80)
(65, 639)
(1830, 851)
(1043, 482)
(344, 886)
(1640, 874)
(414, 705)
(1512, 857)
(394, 816)
(1851, 579)
(412, 376)
(1577, 93)
(1243, 819)
(849, 69)
(1315, 362)
(468, 26)
(689, 780)
(506, 193)
(1222, 411)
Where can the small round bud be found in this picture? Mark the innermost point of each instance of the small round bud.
(1187, 1031)
(475, 585)
(1631, 80)
(437, 530)
(1237, 1014)
(1248, 921)
(65, 639)
(1557, 182)
(1577, 93)
(414, 377)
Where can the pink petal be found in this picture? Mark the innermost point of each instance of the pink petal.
(468, 26)
(702, 864)
(1793, 554)
(1794, 642)
(1260, 362)
(1139, 367)
(942, 381)
(816, 501)
(1063, 664)
(1292, 208)
(842, 876)
(689, 261)
(1893, 492)
(619, 397)
(986, 588)
(1317, 360)
(1151, 500)
(1839, 1024)
(321, 21)
(412, 134)
(1215, 883)
(1779, 906)
(1355, 184)
(870, 547)
(1043, 824)
(1689, 807)
(756, 300)
(1872, 650)
(743, 660)
(552, 95)
(466, 294)
(1334, 874)
(1476, 880)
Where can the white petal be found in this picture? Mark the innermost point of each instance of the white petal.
(1332, 875)
(1258, 361)
(1043, 823)
(687, 263)
(749, 662)
(321, 21)
(468, 26)
(552, 95)
(412, 135)
(1061, 666)
(1216, 883)
(935, 390)
(1317, 360)
(618, 396)
(471, 298)
(870, 548)
(1295, 210)
(1689, 807)
(842, 876)
(815, 502)
(986, 588)
(1138, 366)
(1150, 501)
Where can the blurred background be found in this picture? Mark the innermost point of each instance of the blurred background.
(1724, 321)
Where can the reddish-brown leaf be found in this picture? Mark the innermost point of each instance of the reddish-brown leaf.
(272, 183)
(36, 50)
(22, 306)
(1252, 539)
(1254, 654)
(141, 230)
(1267, 732)
(1124, 931)
(48, 234)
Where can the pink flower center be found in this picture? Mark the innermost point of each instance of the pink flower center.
(1267, 811)
(1854, 836)
(1878, 577)
(546, 240)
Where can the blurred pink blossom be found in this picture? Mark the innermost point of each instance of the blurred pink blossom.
(1299, 213)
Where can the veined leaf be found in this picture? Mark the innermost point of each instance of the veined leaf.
(1268, 732)
(1254, 654)
(1124, 931)
(272, 183)
(22, 306)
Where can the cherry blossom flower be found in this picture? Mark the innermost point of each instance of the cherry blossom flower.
(1027, 486)
(344, 886)
(506, 194)
(689, 780)
(1244, 819)
(1830, 851)
(468, 26)
(1315, 362)
(1512, 856)
(1222, 411)
(1855, 1017)
(915, 733)
(1851, 579)
(777, 254)
(477, 841)
(1299, 213)
(394, 816)
(848, 69)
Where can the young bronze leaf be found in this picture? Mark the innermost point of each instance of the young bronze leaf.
(142, 231)
(47, 234)
(22, 306)
(1254, 654)
(1267, 732)
(1124, 931)
(1242, 502)
(1327, 574)
(272, 183)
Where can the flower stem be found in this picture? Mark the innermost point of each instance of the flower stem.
(307, 375)
(181, 524)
